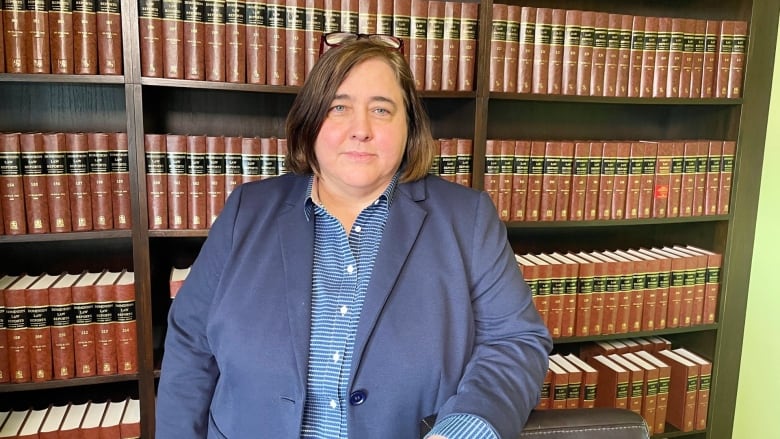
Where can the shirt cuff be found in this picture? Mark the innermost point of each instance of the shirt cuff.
(463, 426)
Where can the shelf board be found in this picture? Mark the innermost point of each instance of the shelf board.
(168, 233)
(215, 85)
(614, 100)
(70, 236)
(517, 225)
(656, 332)
(73, 382)
(63, 79)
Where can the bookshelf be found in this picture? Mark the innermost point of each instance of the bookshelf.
(140, 105)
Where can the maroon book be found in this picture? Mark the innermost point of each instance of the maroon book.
(214, 47)
(579, 181)
(5, 375)
(564, 192)
(649, 57)
(197, 212)
(675, 178)
(688, 53)
(550, 179)
(712, 179)
(173, 38)
(402, 12)
(18, 329)
(520, 171)
(194, 40)
(726, 174)
(723, 68)
(465, 159)
(592, 185)
(15, 27)
(620, 181)
(505, 174)
(39, 327)
(418, 31)
(700, 177)
(555, 62)
(85, 52)
(636, 54)
(512, 43)
(634, 181)
(235, 39)
(256, 39)
(711, 58)
(61, 36)
(434, 41)
(683, 386)
(109, 44)
(612, 55)
(151, 37)
(599, 60)
(688, 185)
(450, 45)
(100, 180)
(11, 188)
(738, 53)
(233, 164)
(677, 57)
(251, 163)
(525, 49)
(648, 185)
(57, 190)
(269, 146)
(2, 43)
(624, 55)
(468, 45)
(125, 323)
(36, 200)
(105, 328)
(663, 57)
(542, 38)
(176, 166)
(77, 156)
(697, 72)
(38, 50)
(83, 292)
(295, 38)
(156, 180)
(119, 157)
(585, 59)
(607, 180)
(647, 267)
(276, 44)
(492, 170)
(315, 23)
(62, 321)
(584, 296)
(215, 177)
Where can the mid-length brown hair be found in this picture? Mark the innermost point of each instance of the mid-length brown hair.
(311, 106)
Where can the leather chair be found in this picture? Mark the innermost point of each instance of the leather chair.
(595, 423)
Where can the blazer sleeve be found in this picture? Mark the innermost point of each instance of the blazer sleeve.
(189, 370)
(503, 378)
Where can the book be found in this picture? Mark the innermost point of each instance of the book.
(665, 59)
(214, 177)
(574, 380)
(155, 159)
(5, 375)
(497, 47)
(54, 418)
(125, 323)
(235, 40)
(738, 52)
(683, 387)
(546, 391)
(550, 289)
(418, 34)
(85, 52)
(194, 41)
(599, 291)
(250, 159)
(468, 46)
(295, 42)
(703, 390)
(663, 170)
(109, 37)
(84, 329)
(533, 277)
(676, 176)
(579, 181)
(197, 214)
(12, 197)
(450, 44)
(636, 54)
(613, 383)
(38, 49)
(711, 282)
(711, 56)
(15, 27)
(62, 323)
(13, 424)
(315, 23)
(585, 58)
(104, 321)
(173, 39)
(624, 55)
(685, 79)
(566, 284)
(636, 382)
(712, 177)
(607, 179)
(645, 277)
(525, 49)
(593, 182)
(648, 183)
(109, 424)
(612, 55)
(176, 280)
(565, 171)
(434, 41)
(556, 49)
(464, 150)
(505, 175)
(589, 381)
(650, 388)
(32, 425)
(402, 12)
(34, 182)
(276, 42)
(17, 329)
(2, 47)
(571, 51)
(69, 429)
(700, 177)
(559, 395)
(697, 72)
(214, 13)
(233, 164)
(585, 271)
(100, 180)
(553, 153)
(726, 175)
(621, 178)
(130, 426)
(119, 159)
(176, 167)
(636, 158)
(599, 60)
(39, 327)
(649, 50)
(723, 67)
(90, 423)
(695, 281)
(77, 156)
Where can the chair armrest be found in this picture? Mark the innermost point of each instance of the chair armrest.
(594, 423)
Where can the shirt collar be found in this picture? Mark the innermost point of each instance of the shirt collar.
(309, 203)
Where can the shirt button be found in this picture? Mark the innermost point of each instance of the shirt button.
(350, 268)
(343, 310)
(333, 403)
(357, 397)
(358, 229)
(336, 357)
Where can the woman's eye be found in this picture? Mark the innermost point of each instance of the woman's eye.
(382, 111)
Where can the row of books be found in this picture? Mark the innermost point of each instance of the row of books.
(67, 325)
(91, 419)
(277, 42)
(606, 180)
(64, 182)
(666, 386)
(623, 291)
(61, 36)
(571, 52)
(189, 177)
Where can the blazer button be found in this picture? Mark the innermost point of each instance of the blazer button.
(357, 397)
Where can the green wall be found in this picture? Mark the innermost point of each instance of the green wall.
(758, 406)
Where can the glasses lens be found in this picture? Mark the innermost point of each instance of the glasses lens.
(385, 40)
(336, 38)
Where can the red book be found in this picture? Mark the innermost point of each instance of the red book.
(468, 45)
(629, 301)
(2, 46)
(703, 390)
(689, 177)
(542, 38)
(620, 180)
(235, 39)
(90, 423)
(699, 263)
(151, 37)
(607, 180)
(448, 159)
(85, 52)
(173, 38)
(62, 322)
(57, 186)
(649, 56)
(636, 382)
(176, 166)
(700, 178)
(119, 157)
(13, 424)
(268, 161)
(636, 54)
(176, 280)
(295, 42)
(676, 175)
(505, 173)
(535, 175)
(677, 308)
(663, 170)
(197, 214)
(616, 305)
(450, 45)
(464, 150)
(589, 384)
(492, 169)
(649, 389)
(662, 295)
(563, 194)
(77, 155)
(315, 23)
(250, 159)
(550, 179)
(738, 53)
(591, 349)
(711, 57)
(520, 179)
(556, 49)
(38, 53)
(600, 40)
(571, 52)
(276, 42)
(109, 425)
(349, 15)
(498, 47)
(402, 12)
(663, 55)
(624, 55)
(125, 323)
(131, 420)
(646, 267)
(109, 31)
(15, 25)
(434, 41)
(592, 186)
(560, 386)
(11, 186)
(585, 59)
(676, 60)
(612, 55)
(39, 325)
(599, 295)
(579, 181)
(688, 53)
(34, 182)
(17, 329)
(531, 275)
(613, 383)
(105, 328)
(511, 47)
(214, 47)
(100, 180)
(546, 391)
(574, 381)
(32, 424)
(571, 301)
(156, 180)
(60, 36)
(5, 375)
(51, 425)
(552, 272)
(726, 173)
(683, 386)
(637, 270)
(233, 170)
(84, 330)
(367, 17)
(711, 282)
(648, 185)
(697, 72)
(525, 49)
(69, 429)
(215, 177)
(194, 40)
(723, 68)
(712, 178)
(636, 158)
(418, 33)
(584, 293)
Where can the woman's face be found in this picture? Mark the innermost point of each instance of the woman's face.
(362, 139)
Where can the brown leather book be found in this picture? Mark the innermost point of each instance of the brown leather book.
(663, 169)
(724, 56)
(402, 18)
(61, 36)
(522, 155)
(646, 267)
(636, 158)
(172, 24)
(683, 386)
(125, 323)
(607, 180)
(468, 46)
(711, 58)
(525, 49)
(598, 294)
(131, 420)
(664, 378)
(688, 185)
(599, 56)
(85, 53)
(557, 42)
(2, 42)
(33, 424)
(620, 181)
(699, 282)
(511, 48)
(384, 16)
(150, 35)
(636, 382)
(11, 187)
(677, 57)
(235, 39)
(105, 329)
(57, 190)
(647, 187)
(712, 178)
(592, 185)
(647, 82)
(585, 59)
(623, 272)
(579, 181)
(564, 185)
(80, 195)
(492, 172)
(176, 167)
(315, 23)
(119, 158)
(688, 51)
(584, 293)
(233, 164)
(664, 268)
(546, 390)
(677, 267)
(295, 41)
(542, 40)
(591, 349)
(36, 201)
(156, 180)
(109, 425)
(649, 388)
(418, 34)
(62, 323)
(697, 72)
(109, 37)
(624, 55)
(637, 53)
(574, 378)
(214, 13)
(197, 212)
(349, 15)
(536, 169)
(638, 273)
(39, 326)
(676, 179)
(570, 274)
(611, 276)
(550, 289)
(100, 180)
(703, 389)
(550, 178)
(256, 38)
(90, 424)
(434, 41)
(612, 55)
(15, 28)
(194, 40)
(215, 177)
(465, 160)
(505, 174)
(700, 177)
(559, 383)
(276, 42)
(69, 429)
(37, 37)
(589, 381)
(51, 425)
(726, 174)
(448, 159)
(613, 383)
(738, 53)
(269, 147)
(367, 20)
(689, 304)
(251, 161)
(663, 57)
(176, 280)
(450, 44)
(531, 275)
(18, 329)
(711, 282)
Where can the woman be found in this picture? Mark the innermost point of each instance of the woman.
(356, 295)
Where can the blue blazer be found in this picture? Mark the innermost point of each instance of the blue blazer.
(447, 326)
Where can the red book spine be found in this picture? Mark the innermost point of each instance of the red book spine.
(17, 333)
(531, 276)
(156, 180)
(726, 173)
(600, 39)
(448, 160)
(612, 55)
(15, 26)
(634, 180)
(700, 178)
(664, 58)
(267, 157)
(233, 170)
(434, 41)
(38, 51)
(697, 72)
(492, 169)
(629, 301)
(535, 176)
(402, 12)
(613, 383)
(468, 45)
(683, 386)
(637, 54)
(674, 312)
(11, 187)
(522, 155)
(714, 157)
(194, 40)
(598, 295)
(592, 186)
(61, 36)
(663, 169)
(555, 62)
(688, 185)
(350, 15)
(512, 44)
(550, 178)
(450, 45)
(2, 46)
(676, 179)
(563, 195)
(738, 53)
(584, 295)
(711, 58)
(725, 47)
(34, 182)
(105, 330)
(57, 182)
(62, 321)
(647, 187)
(688, 51)
(176, 165)
(295, 42)
(125, 324)
(256, 42)
(197, 215)
(276, 42)
(624, 55)
(173, 38)
(585, 59)
(544, 398)
(620, 182)
(525, 49)
(549, 296)
(610, 322)
(418, 32)
(235, 39)
(712, 283)
(250, 159)
(607, 180)
(649, 57)
(465, 160)
(315, 23)
(109, 29)
(39, 333)
(215, 177)
(77, 156)
(214, 12)
(100, 181)
(85, 51)
(542, 39)
(579, 181)
(119, 157)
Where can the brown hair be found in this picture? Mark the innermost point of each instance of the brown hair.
(311, 105)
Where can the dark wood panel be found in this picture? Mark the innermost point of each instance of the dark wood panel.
(77, 390)
(39, 257)
(451, 117)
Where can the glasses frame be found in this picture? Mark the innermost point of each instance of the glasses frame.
(358, 36)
